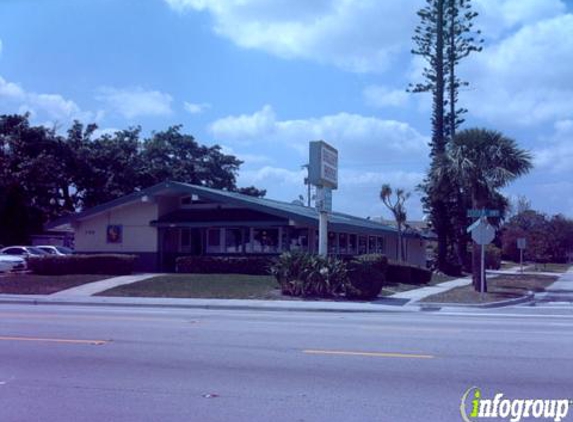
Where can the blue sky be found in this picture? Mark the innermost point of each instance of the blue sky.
(262, 78)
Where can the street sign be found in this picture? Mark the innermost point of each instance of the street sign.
(475, 213)
(521, 243)
(482, 232)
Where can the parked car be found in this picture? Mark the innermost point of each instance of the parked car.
(12, 263)
(23, 251)
(55, 250)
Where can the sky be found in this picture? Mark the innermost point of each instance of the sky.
(262, 78)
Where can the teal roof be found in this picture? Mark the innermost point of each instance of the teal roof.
(298, 213)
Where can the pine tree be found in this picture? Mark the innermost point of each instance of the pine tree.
(444, 37)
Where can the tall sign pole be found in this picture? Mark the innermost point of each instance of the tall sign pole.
(482, 233)
(323, 173)
(521, 243)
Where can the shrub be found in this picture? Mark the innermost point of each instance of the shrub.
(407, 274)
(253, 265)
(113, 264)
(302, 274)
(492, 257)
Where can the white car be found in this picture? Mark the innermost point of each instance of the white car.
(55, 250)
(12, 263)
(23, 251)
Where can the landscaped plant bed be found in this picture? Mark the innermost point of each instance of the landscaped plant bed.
(503, 287)
(211, 286)
(32, 284)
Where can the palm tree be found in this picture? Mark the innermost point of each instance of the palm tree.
(398, 210)
(482, 161)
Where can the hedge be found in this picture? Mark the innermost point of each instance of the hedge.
(407, 274)
(366, 276)
(252, 265)
(112, 264)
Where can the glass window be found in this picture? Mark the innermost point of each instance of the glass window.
(342, 243)
(332, 243)
(352, 244)
(233, 240)
(299, 240)
(214, 241)
(185, 238)
(372, 244)
(266, 240)
(362, 245)
(380, 245)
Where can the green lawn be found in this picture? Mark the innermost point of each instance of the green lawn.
(503, 287)
(32, 284)
(222, 286)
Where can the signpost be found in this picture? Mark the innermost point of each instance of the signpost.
(521, 244)
(482, 233)
(323, 173)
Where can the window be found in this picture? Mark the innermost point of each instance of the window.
(372, 244)
(266, 240)
(342, 243)
(299, 240)
(332, 243)
(380, 247)
(233, 240)
(362, 245)
(213, 241)
(185, 237)
(352, 244)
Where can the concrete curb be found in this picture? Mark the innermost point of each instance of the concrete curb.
(213, 304)
(529, 297)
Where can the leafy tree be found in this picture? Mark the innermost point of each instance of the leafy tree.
(482, 162)
(44, 175)
(443, 38)
(398, 210)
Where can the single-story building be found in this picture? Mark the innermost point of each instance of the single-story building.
(174, 219)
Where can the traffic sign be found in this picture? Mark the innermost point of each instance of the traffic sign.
(475, 213)
(482, 232)
(521, 243)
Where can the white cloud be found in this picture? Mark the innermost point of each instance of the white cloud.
(194, 108)
(50, 106)
(358, 192)
(496, 17)
(361, 36)
(381, 96)
(360, 139)
(557, 156)
(247, 158)
(136, 102)
(526, 77)
(358, 36)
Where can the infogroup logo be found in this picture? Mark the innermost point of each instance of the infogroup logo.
(475, 407)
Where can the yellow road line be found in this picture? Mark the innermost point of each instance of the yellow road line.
(54, 340)
(368, 354)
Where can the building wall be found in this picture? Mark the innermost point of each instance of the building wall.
(416, 252)
(137, 236)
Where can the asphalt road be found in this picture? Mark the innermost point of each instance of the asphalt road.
(64, 363)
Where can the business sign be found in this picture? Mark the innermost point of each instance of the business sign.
(475, 213)
(521, 244)
(323, 165)
(324, 199)
(114, 233)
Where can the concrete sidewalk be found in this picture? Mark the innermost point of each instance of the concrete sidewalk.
(96, 287)
(560, 291)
